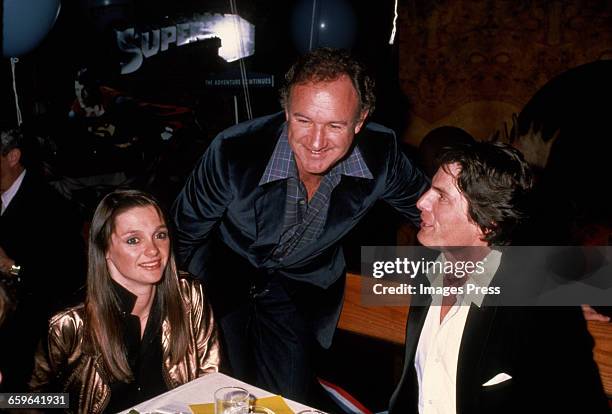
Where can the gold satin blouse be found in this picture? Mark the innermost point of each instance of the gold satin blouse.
(69, 363)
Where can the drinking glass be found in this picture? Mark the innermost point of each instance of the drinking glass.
(232, 400)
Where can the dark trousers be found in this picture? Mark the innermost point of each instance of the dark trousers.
(270, 344)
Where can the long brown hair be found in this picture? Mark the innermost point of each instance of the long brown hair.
(6, 304)
(102, 305)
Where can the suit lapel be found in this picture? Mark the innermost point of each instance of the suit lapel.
(406, 394)
(20, 197)
(475, 336)
(269, 215)
(419, 306)
(414, 326)
(351, 194)
(346, 201)
(269, 204)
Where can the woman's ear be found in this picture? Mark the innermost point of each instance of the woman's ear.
(112, 269)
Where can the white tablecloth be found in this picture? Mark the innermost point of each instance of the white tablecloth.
(201, 391)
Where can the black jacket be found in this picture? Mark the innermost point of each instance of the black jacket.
(41, 232)
(228, 225)
(546, 350)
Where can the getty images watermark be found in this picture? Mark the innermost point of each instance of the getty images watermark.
(432, 270)
(509, 276)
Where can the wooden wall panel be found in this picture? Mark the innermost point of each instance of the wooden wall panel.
(472, 63)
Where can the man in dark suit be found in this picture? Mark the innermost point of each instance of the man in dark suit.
(261, 217)
(42, 261)
(469, 354)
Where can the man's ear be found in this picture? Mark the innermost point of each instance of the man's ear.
(488, 230)
(14, 157)
(361, 120)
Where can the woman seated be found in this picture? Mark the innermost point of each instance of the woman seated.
(142, 330)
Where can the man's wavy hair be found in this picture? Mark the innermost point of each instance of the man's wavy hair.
(327, 64)
(497, 183)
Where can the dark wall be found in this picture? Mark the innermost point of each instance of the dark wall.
(471, 64)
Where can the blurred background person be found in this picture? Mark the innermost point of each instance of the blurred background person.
(42, 256)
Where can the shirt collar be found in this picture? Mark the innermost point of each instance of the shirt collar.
(480, 280)
(9, 194)
(282, 163)
(127, 299)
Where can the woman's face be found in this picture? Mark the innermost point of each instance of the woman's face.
(139, 248)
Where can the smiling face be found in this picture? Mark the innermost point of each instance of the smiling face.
(445, 221)
(139, 248)
(322, 120)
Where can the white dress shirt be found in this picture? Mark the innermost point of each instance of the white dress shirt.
(9, 194)
(438, 349)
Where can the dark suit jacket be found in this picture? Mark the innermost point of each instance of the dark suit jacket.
(547, 352)
(40, 231)
(228, 225)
